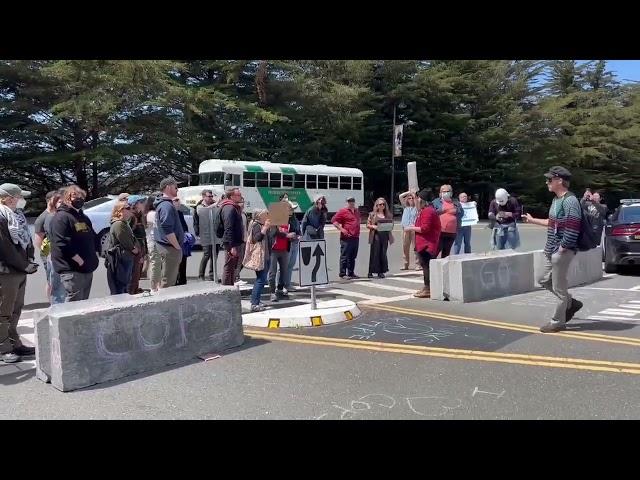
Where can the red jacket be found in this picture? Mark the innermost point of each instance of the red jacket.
(349, 220)
(429, 235)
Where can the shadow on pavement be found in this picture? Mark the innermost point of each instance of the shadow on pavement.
(34, 306)
(14, 377)
(587, 325)
(249, 343)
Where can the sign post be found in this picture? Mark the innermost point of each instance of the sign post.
(313, 266)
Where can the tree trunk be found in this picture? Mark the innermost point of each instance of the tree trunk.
(94, 186)
(261, 82)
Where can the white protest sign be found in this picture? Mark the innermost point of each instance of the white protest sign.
(470, 214)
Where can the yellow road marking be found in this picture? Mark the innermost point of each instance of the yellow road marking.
(596, 337)
(511, 358)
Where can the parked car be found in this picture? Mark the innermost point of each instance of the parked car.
(99, 212)
(621, 236)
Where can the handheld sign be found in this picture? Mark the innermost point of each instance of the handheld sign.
(412, 173)
(279, 213)
(313, 263)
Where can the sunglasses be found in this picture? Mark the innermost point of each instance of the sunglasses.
(380, 205)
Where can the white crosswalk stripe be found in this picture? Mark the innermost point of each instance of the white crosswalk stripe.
(384, 287)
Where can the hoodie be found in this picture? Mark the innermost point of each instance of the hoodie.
(167, 222)
(314, 221)
(232, 223)
(72, 234)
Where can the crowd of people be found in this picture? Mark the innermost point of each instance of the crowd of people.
(149, 237)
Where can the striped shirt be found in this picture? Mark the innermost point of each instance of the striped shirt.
(409, 215)
(565, 216)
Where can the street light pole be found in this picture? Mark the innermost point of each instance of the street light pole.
(393, 158)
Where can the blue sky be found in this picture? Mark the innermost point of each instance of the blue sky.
(625, 69)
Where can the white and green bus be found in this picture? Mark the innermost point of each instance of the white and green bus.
(263, 183)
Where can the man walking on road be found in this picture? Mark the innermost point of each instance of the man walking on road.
(74, 245)
(563, 229)
(233, 234)
(168, 233)
(347, 221)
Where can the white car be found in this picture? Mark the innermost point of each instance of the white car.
(99, 212)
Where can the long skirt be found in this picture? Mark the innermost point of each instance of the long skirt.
(378, 262)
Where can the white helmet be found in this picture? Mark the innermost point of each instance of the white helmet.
(502, 196)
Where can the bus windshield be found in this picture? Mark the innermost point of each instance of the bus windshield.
(212, 178)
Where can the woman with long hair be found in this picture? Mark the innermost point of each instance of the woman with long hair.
(123, 249)
(379, 237)
(259, 233)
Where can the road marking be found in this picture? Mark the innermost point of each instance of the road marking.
(385, 287)
(618, 311)
(596, 337)
(403, 274)
(410, 280)
(633, 306)
(607, 289)
(386, 300)
(635, 289)
(478, 355)
(611, 317)
(339, 291)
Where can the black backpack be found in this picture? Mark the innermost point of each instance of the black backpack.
(218, 224)
(589, 236)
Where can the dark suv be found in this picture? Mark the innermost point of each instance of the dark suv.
(622, 236)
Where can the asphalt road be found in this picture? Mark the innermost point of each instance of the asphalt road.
(402, 359)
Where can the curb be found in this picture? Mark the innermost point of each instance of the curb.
(327, 313)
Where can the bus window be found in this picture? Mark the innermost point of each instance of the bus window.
(345, 183)
(333, 182)
(299, 181)
(212, 178)
(275, 180)
(322, 182)
(311, 181)
(236, 180)
(263, 179)
(249, 179)
(287, 181)
(357, 183)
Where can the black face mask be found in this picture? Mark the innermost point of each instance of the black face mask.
(77, 203)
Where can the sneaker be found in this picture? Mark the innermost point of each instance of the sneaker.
(553, 327)
(423, 293)
(342, 276)
(274, 298)
(24, 351)
(370, 275)
(285, 292)
(573, 308)
(381, 275)
(353, 276)
(258, 308)
(418, 267)
(10, 357)
(240, 283)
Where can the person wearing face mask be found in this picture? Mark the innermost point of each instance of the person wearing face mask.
(314, 219)
(504, 215)
(451, 213)
(16, 261)
(74, 245)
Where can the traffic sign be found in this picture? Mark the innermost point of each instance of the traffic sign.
(313, 263)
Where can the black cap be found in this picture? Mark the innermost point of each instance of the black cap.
(558, 172)
(426, 195)
(351, 199)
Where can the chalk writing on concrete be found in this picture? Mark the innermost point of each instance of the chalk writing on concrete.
(498, 395)
(409, 330)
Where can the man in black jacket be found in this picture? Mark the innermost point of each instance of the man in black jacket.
(74, 245)
(16, 261)
(233, 234)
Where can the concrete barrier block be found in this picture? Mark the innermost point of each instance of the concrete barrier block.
(477, 277)
(105, 339)
(585, 268)
(439, 278)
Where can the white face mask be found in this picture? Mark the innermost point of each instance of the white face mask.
(21, 204)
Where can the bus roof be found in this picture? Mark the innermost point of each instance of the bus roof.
(238, 166)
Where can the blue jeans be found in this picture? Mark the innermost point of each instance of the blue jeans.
(261, 281)
(58, 292)
(464, 234)
(506, 237)
(293, 257)
(119, 279)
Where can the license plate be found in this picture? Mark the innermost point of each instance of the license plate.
(636, 237)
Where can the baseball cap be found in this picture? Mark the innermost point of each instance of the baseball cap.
(133, 199)
(558, 172)
(14, 190)
(351, 199)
